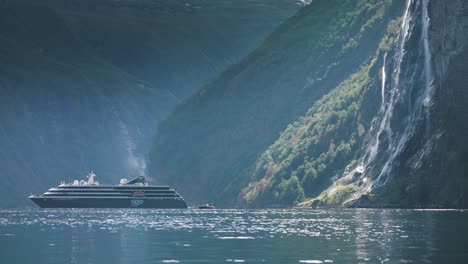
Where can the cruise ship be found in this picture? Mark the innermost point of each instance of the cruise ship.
(136, 193)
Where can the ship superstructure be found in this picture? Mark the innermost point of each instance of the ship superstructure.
(135, 193)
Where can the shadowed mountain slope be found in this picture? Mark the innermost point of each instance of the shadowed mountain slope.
(214, 138)
(83, 84)
(391, 134)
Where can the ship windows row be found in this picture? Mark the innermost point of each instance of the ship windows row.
(110, 194)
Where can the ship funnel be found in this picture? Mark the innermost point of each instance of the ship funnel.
(139, 179)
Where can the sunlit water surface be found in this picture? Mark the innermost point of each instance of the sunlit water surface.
(225, 236)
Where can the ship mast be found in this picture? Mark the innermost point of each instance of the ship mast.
(90, 177)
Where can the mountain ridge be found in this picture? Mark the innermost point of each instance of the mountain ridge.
(84, 84)
(215, 135)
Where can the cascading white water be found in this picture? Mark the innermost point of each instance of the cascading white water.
(396, 143)
(135, 164)
(387, 109)
(429, 77)
(384, 78)
(372, 151)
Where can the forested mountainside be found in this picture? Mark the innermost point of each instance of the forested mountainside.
(348, 103)
(211, 146)
(415, 151)
(83, 84)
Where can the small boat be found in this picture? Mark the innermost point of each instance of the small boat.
(206, 206)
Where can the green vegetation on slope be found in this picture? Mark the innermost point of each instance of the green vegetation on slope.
(215, 137)
(313, 149)
(316, 148)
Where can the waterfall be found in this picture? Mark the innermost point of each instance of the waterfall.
(134, 163)
(387, 109)
(384, 78)
(396, 91)
(429, 77)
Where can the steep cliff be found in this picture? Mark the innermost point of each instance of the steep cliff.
(368, 100)
(83, 84)
(209, 145)
(314, 150)
(415, 150)
(178, 45)
(416, 155)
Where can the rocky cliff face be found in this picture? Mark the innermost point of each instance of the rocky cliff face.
(83, 84)
(414, 151)
(416, 154)
(374, 117)
(215, 137)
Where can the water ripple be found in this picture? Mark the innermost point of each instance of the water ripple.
(303, 235)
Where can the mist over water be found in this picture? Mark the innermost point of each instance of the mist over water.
(224, 236)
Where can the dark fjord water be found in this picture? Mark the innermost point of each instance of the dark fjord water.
(225, 236)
